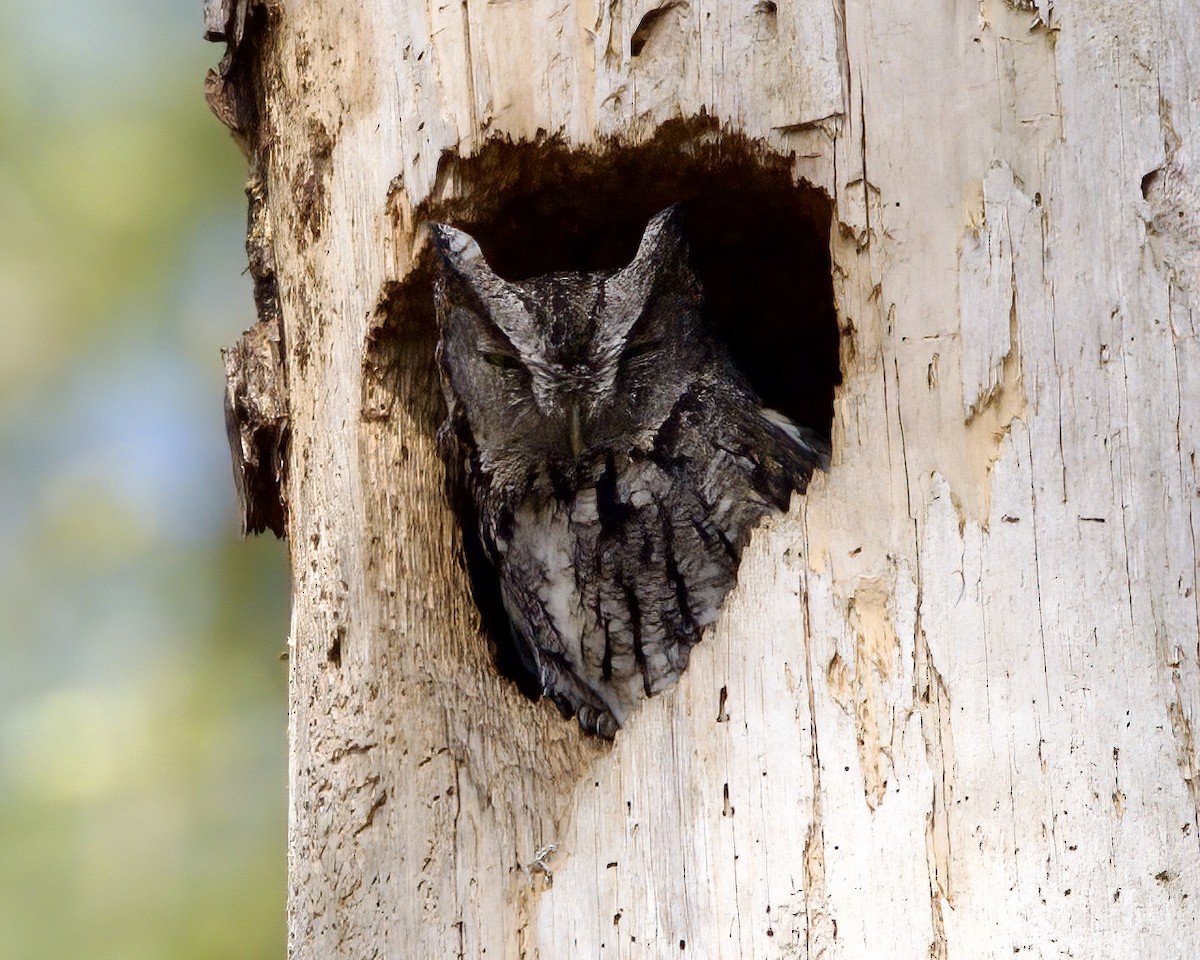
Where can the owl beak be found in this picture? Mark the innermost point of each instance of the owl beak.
(576, 431)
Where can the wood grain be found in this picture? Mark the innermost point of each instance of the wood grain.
(950, 710)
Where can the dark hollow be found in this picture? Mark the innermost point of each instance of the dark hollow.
(759, 242)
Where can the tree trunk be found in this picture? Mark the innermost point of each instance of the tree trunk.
(950, 709)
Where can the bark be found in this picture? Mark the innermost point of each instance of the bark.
(950, 710)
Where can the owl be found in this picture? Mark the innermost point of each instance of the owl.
(610, 462)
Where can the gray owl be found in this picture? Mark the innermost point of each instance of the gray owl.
(612, 462)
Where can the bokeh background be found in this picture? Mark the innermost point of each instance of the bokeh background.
(142, 694)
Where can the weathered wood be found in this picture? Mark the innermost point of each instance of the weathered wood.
(217, 14)
(950, 711)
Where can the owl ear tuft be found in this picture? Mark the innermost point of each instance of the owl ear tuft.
(662, 240)
(459, 252)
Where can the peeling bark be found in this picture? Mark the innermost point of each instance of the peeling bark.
(257, 422)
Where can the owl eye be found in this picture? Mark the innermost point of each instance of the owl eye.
(502, 361)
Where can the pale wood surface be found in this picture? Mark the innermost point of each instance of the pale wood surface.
(961, 680)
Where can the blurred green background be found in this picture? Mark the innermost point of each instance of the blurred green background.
(142, 695)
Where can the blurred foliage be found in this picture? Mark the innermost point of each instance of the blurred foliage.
(142, 695)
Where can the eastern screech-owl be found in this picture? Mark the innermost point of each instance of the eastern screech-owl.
(613, 461)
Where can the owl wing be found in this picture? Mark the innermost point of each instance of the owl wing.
(514, 655)
(739, 459)
(658, 536)
(649, 548)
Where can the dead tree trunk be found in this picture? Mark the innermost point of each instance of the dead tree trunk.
(950, 710)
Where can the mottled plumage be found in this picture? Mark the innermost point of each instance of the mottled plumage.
(613, 462)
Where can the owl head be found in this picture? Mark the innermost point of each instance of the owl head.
(566, 366)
